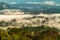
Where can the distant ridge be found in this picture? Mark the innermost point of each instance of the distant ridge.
(31, 8)
(4, 5)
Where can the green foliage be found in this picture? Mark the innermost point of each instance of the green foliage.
(30, 33)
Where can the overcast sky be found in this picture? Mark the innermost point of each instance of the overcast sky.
(57, 1)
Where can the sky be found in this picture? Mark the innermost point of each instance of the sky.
(57, 1)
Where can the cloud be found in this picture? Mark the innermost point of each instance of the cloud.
(45, 2)
(13, 3)
(57, 4)
(33, 2)
(49, 2)
(52, 3)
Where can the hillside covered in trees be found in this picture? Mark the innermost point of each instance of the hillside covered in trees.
(30, 33)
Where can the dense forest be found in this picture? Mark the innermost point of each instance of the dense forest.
(30, 33)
